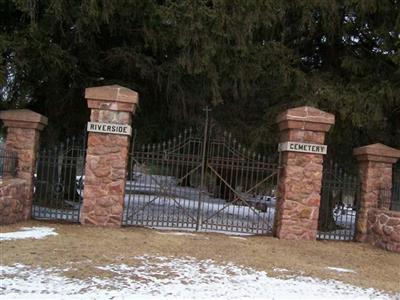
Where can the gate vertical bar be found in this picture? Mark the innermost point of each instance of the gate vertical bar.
(203, 169)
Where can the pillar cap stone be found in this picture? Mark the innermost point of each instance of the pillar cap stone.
(115, 93)
(112, 97)
(23, 118)
(305, 118)
(377, 152)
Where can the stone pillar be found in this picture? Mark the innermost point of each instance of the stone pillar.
(106, 156)
(23, 132)
(375, 173)
(300, 178)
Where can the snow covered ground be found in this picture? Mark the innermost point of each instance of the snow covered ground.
(28, 233)
(340, 270)
(167, 277)
(158, 277)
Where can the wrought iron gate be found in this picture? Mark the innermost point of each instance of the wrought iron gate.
(201, 182)
(339, 204)
(59, 181)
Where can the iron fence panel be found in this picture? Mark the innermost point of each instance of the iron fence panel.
(8, 162)
(339, 203)
(59, 181)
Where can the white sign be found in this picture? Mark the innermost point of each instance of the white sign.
(302, 147)
(109, 128)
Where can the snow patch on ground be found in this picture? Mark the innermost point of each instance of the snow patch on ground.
(28, 233)
(186, 234)
(172, 278)
(238, 238)
(194, 232)
(280, 270)
(341, 270)
(176, 233)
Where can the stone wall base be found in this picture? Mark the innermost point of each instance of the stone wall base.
(15, 203)
(384, 229)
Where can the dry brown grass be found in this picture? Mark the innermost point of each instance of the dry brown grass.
(83, 248)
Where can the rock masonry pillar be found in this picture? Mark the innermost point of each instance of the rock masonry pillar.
(23, 133)
(375, 174)
(300, 177)
(107, 155)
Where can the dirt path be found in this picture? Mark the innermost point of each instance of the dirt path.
(84, 248)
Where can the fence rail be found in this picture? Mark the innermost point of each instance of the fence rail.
(8, 162)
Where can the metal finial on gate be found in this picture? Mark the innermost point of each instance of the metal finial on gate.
(180, 138)
(346, 179)
(207, 109)
(55, 149)
(341, 172)
(73, 141)
(336, 170)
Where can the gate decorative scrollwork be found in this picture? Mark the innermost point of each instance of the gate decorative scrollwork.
(201, 182)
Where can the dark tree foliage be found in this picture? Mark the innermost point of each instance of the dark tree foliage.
(248, 60)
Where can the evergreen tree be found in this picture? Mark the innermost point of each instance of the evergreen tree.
(249, 60)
